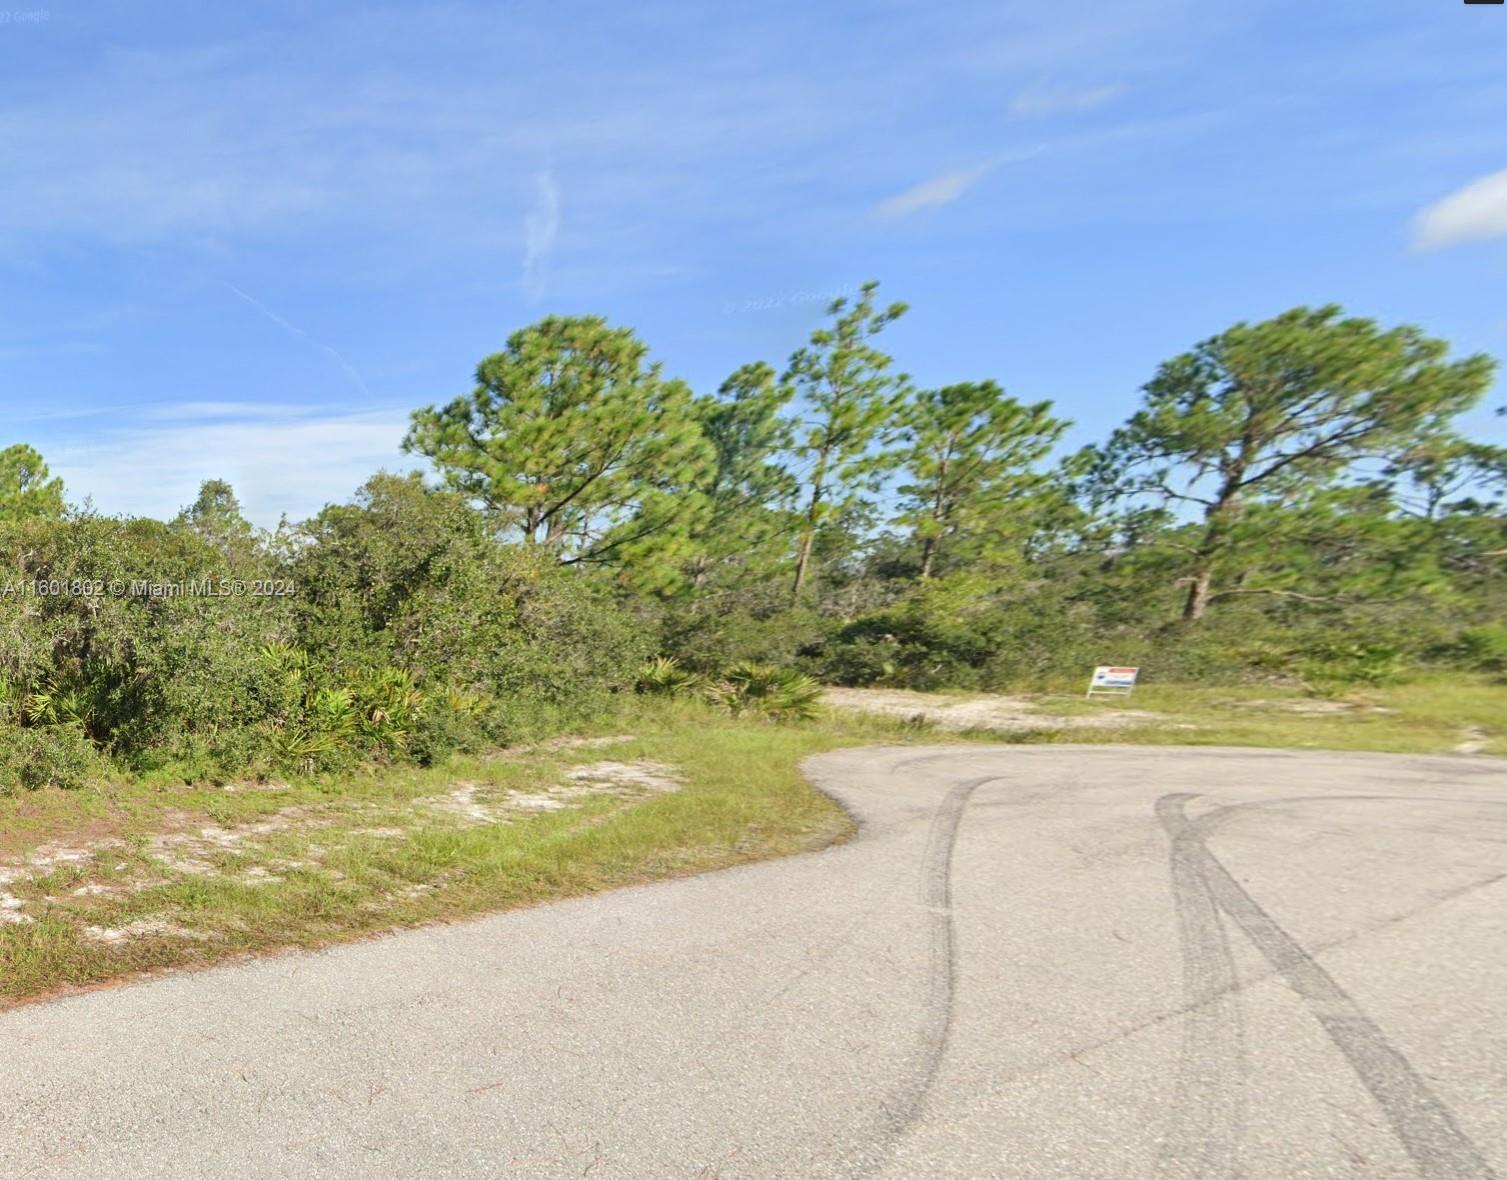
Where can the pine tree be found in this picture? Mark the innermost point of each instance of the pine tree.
(848, 400)
(970, 452)
(575, 442)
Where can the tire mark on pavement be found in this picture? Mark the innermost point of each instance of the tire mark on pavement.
(905, 1106)
(1204, 1139)
(1423, 1124)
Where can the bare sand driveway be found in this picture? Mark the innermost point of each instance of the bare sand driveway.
(1033, 961)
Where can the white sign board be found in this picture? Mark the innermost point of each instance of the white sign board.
(1108, 681)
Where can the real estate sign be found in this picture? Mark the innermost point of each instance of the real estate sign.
(1109, 681)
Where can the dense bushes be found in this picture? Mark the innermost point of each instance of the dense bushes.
(398, 628)
(758, 624)
(1482, 648)
(393, 628)
(47, 756)
(132, 631)
(1005, 631)
(412, 578)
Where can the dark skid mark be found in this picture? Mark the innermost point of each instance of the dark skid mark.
(904, 1107)
(1427, 1130)
(1204, 1139)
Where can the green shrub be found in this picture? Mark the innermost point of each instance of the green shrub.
(386, 703)
(778, 694)
(663, 676)
(1328, 668)
(1482, 648)
(413, 578)
(965, 632)
(47, 756)
(756, 626)
(149, 674)
(451, 723)
(397, 598)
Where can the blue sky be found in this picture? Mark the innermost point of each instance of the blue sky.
(242, 241)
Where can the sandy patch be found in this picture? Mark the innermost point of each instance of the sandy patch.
(141, 928)
(10, 910)
(192, 852)
(39, 862)
(574, 743)
(1475, 740)
(622, 779)
(628, 777)
(985, 712)
(461, 802)
(539, 802)
(188, 847)
(48, 857)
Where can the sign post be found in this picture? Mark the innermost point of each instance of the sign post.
(1112, 682)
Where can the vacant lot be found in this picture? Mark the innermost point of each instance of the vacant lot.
(1455, 715)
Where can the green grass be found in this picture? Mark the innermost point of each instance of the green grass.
(363, 853)
(1434, 715)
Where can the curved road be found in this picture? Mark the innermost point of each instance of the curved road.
(1032, 962)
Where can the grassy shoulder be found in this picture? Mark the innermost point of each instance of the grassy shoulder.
(101, 884)
(1432, 715)
(134, 877)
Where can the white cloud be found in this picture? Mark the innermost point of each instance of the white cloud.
(1056, 102)
(1477, 211)
(540, 229)
(279, 458)
(930, 194)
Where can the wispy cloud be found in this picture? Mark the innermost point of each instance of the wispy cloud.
(540, 229)
(198, 148)
(1473, 213)
(280, 459)
(294, 330)
(217, 411)
(394, 134)
(1057, 102)
(931, 194)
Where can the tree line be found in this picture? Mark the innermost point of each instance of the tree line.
(1292, 498)
(1241, 448)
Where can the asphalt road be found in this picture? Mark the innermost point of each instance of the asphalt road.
(1032, 962)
